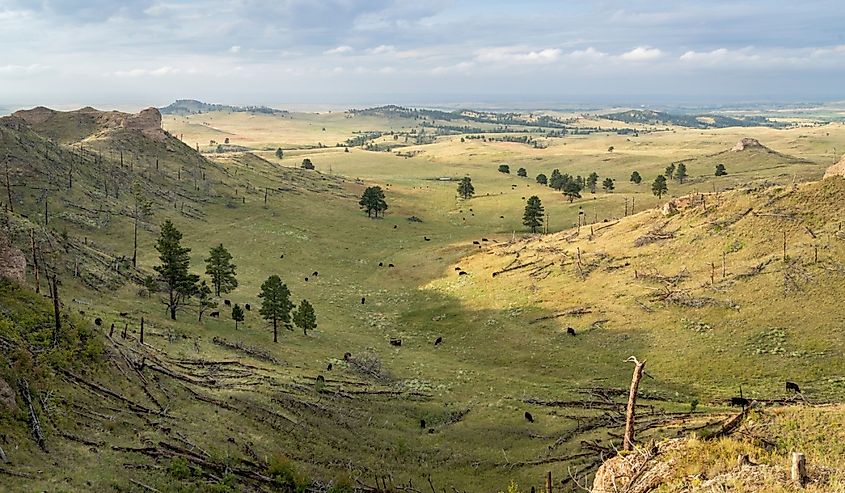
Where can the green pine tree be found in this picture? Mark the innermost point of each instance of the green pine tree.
(592, 181)
(636, 178)
(670, 171)
(372, 201)
(304, 317)
(173, 271)
(522, 172)
(659, 187)
(533, 215)
(572, 190)
(465, 188)
(542, 180)
(681, 172)
(219, 266)
(204, 300)
(608, 185)
(504, 168)
(237, 314)
(720, 170)
(275, 304)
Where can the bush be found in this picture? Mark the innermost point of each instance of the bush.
(283, 471)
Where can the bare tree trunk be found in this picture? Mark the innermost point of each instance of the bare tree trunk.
(135, 244)
(9, 188)
(628, 442)
(35, 261)
(54, 288)
(142, 330)
(275, 330)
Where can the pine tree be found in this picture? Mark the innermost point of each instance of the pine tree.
(142, 208)
(204, 300)
(280, 153)
(592, 181)
(465, 188)
(608, 185)
(173, 271)
(219, 266)
(720, 170)
(572, 190)
(504, 168)
(533, 216)
(304, 317)
(681, 172)
(275, 304)
(659, 187)
(372, 201)
(636, 178)
(670, 171)
(541, 179)
(522, 172)
(237, 314)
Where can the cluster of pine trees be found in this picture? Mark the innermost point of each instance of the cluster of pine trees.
(183, 288)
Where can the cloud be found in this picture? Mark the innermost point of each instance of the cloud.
(154, 72)
(381, 49)
(516, 55)
(642, 54)
(588, 54)
(338, 50)
(235, 49)
(12, 69)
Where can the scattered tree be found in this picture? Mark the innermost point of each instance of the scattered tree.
(636, 178)
(681, 173)
(608, 185)
(275, 304)
(659, 187)
(465, 188)
(173, 271)
(307, 164)
(533, 216)
(204, 300)
(280, 153)
(670, 171)
(304, 317)
(373, 201)
(219, 266)
(237, 314)
(592, 181)
(522, 172)
(720, 170)
(572, 190)
(142, 208)
(504, 168)
(542, 180)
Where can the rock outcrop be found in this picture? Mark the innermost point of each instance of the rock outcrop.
(87, 122)
(837, 169)
(747, 143)
(12, 263)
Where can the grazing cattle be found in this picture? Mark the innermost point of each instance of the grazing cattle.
(570, 331)
(470, 209)
(395, 226)
(248, 308)
(523, 198)
(227, 302)
(426, 238)
(476, 243)
(396, 342)
(329, 367)
(438, 340)
(282, 256)
(501, 217)
(463, 273)
(792, 387)
(306, 279)
(214, 314)
(391, 265)
(315, 274)
(381, 264)
(98, 321)
(529, 417)
(363, 300)
(124, 314)
(458, 268)
(422, 424)
(321, 379)
(82, 312)
(346, 356)
(740, 401)
(484, 239)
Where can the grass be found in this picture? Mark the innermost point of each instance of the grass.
(494, 358)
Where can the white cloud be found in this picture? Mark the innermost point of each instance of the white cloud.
(235, 49)
(153, 72)
(340, 50)
(587, 54)
(22, 69)
(381, 49)
(642, 54)
(511, 54)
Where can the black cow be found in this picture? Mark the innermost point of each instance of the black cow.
(315, 274)
(391, 265)
(438, 340)
(395, 226)
(484, 239)
(98, 321)
(529, 417)
(124, 314)
(363, 300)
(396, 342)
(426, 238)
(476, 243)
(346, 356)
(792, 387)
(463, 273)
(282, 256)
(329, 367)
(306, 279)
(458, 268)
(248, 308)
(570, 331)
(227, 302)
(214, 314)
(381, 264)
(422, 423)
(740, 401)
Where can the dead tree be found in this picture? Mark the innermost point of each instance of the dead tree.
(54, 291)
(639, 366)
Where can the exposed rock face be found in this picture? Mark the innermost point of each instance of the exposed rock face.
(148, 122)
(88, 121)
(746, 143)
(12, 263)
(7, 397)
(681, 203)
(837, 169)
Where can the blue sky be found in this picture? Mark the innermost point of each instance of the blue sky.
(149, 52)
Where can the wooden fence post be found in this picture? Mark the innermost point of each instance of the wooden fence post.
(549, 482)
(628, 442)
(799, 469)
(142, 330)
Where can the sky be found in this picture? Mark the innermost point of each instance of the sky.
(335, 52)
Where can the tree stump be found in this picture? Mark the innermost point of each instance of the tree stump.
(799, 469)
